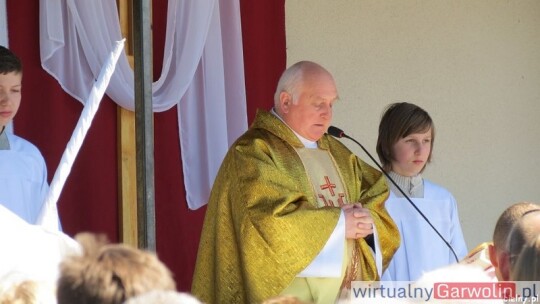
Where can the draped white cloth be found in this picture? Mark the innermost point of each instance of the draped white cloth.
(202, 72)
(3, 24)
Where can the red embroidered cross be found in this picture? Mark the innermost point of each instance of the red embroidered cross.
(328, 185)
(328, 203)
(340, 199)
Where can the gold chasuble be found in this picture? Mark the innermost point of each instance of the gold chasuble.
(264, 223)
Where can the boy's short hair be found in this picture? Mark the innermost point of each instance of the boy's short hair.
(110, 273)
(399, 120)
(9, 62)
(523, 232)
(506, 221)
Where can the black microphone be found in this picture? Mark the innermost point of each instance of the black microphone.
(338, 133)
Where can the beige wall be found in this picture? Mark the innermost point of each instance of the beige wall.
(474, 65)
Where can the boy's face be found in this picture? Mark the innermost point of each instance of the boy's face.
(411, 153)
(10, 96)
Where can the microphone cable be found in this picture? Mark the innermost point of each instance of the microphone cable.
(338, 133)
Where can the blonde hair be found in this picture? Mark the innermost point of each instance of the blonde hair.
(110, 273)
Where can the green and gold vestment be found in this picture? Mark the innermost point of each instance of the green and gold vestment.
(262, 226)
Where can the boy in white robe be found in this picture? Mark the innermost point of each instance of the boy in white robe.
(404, 145)
(23, 173)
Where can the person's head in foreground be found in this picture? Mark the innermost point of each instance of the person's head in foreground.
(498, 251)
(524, 233)
(110, 273)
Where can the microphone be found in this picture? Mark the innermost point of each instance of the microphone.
(338, 133)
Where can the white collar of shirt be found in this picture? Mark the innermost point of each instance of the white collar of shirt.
(307, 143)
(4, 142)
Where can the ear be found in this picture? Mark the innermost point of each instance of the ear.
(493, 255)
(504, 265)
(285, 101)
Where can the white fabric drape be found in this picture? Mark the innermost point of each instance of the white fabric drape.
(202, 72)
(3, 24)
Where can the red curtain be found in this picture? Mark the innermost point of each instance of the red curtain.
(89, 201)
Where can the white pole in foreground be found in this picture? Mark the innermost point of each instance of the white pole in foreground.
(48, 216)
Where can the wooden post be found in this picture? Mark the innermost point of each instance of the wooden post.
(127, 173)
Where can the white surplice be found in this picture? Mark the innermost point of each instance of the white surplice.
(23, 178)
(421, 249)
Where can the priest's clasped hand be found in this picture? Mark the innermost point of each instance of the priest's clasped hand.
(358, 221)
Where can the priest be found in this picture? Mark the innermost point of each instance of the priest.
(293, 211)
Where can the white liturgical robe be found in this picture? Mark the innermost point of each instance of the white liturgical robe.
(421, 249)
(23, 178)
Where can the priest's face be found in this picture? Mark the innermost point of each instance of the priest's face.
(310, 114)
(410, 153)
(10, 96)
